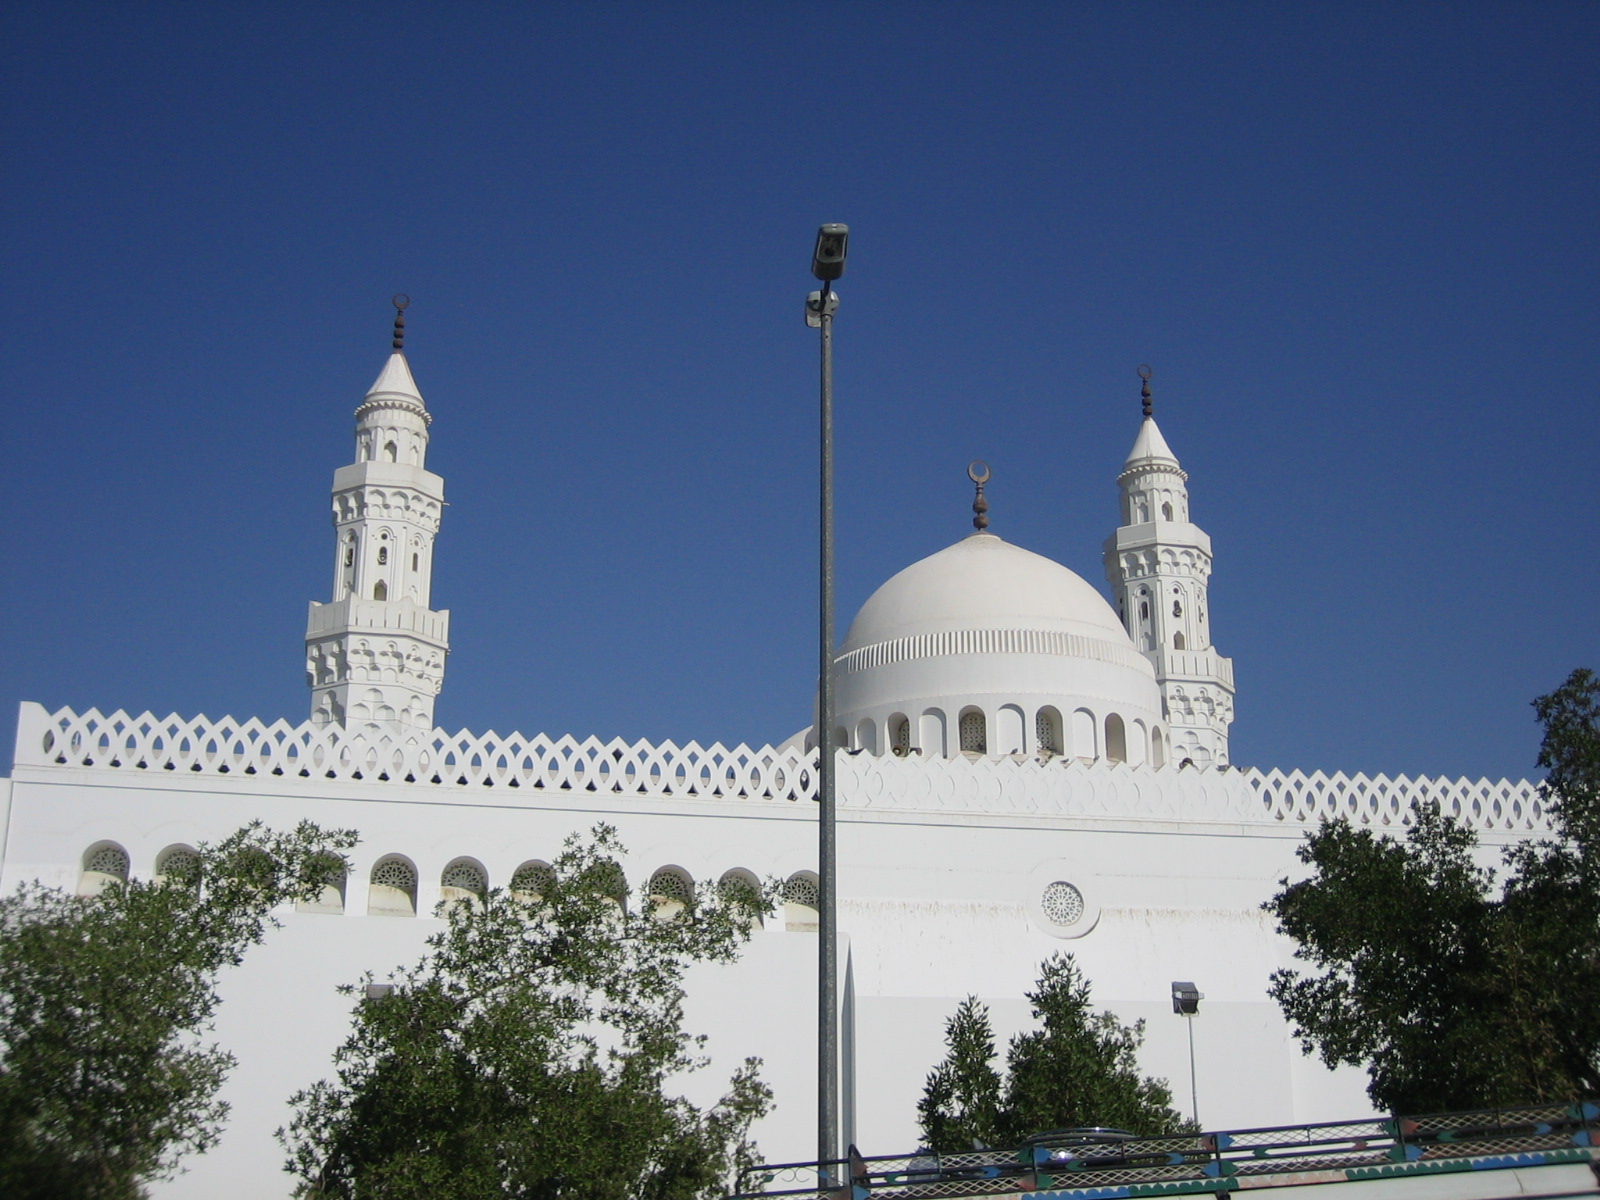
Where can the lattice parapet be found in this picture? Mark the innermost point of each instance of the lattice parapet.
(1482, 804)
(200, 745)
(1008, 784)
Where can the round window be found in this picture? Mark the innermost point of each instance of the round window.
(1062, 904)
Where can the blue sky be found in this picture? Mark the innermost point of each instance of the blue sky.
(1358, 244)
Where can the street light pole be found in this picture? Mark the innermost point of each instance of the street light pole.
(1186, 1003)
(827, 265)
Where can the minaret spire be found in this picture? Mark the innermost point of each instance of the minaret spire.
(375, 653)
(400, 301)
(1159, 566)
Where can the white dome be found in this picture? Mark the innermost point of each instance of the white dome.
(983, 582)
(988, 647)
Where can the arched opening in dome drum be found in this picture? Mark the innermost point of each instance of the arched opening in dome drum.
(930, 734)
(1047, 731)
(1084, 743)
(900, 735)
(867, 735)
(1116, 739)
(974, 732)
(1008, 724)
(1158, 748)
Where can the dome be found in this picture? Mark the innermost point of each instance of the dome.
(988, 648)
(984, 582)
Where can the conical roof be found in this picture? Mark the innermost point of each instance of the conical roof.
(1150, 446)
(394, 382)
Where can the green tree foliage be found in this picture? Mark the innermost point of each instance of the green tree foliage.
(532, 1053)
(105, 1081)
(1455, 995)
(1079, 1068)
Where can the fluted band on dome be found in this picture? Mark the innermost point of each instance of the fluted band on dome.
(990, 641)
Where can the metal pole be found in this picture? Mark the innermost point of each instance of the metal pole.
(1194, 1094)
(827, 950)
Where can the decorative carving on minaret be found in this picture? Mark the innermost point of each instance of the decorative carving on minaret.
(375, 653)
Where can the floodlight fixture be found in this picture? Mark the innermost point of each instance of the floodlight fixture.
(1185, 998)
(827, 260)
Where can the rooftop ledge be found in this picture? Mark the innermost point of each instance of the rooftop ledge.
(461, 765)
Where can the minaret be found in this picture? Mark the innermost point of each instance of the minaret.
(375, 654)
(1158, 564)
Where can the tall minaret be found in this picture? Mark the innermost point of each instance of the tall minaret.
(1158, 564)
(375, 654)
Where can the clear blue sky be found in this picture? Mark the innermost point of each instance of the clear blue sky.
(1358, 243)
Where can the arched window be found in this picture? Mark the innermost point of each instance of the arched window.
(532, 881)
(1177, 641)
(1047, 731)
(671, 892)
(610, 881)
(391, 452)
(329, 898)
(393, 888)
(974, 733)
(464, 881)
(104, 864)
(1116, 739)
(930, 736)
(1166, 511)
(740, 889)
(383, 556)
(413, 560)
(380, 590)
(178, 865)
(350, 555)
(1158, 747)
(900, 735)
(801, 896)
(867, 735)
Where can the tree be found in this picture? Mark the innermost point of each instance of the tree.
(1080, 1068)
(105, 1081)
(530, 1053)
(1454, 995)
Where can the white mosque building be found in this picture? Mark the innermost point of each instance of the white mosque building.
(1028, 768)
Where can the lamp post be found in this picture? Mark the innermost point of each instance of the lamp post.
(1186, 1003)
(827, 264)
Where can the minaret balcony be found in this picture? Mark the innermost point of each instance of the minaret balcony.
(1199, 666)
(378, 617)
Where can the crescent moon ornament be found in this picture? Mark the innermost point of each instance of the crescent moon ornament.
(978, 471)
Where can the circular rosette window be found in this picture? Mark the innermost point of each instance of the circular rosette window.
(1062, 900)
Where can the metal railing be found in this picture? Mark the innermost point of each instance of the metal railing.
(1207, 1163)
